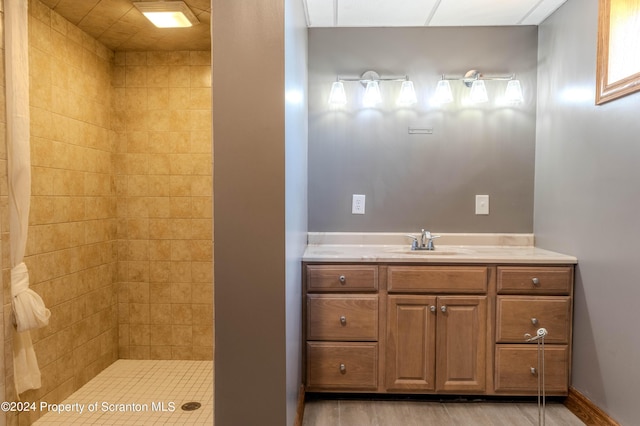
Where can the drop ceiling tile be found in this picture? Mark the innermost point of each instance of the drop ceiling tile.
(320, 13)
(542, 12)
(481, 12)
(384, 13)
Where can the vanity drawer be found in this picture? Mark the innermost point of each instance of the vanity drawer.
(342, 366)
(342, 317)
(437, 279)
(335, 278)
(514, 364)
(535, 280)
(520, 315)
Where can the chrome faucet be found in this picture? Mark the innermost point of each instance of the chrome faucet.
(426, 241)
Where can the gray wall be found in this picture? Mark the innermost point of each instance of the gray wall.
(296, 130)
(587, 199)
(414, 181)
(249, 212)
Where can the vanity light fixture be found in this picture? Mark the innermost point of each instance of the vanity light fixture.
(475, 80)
(372, 96)
(513, 94)
(167, 14)
(407, 94)
(478, 92)
(443, 92)
(337, 95)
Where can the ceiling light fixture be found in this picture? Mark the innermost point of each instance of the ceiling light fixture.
(475, 80)
(372, 95)
(167, 14)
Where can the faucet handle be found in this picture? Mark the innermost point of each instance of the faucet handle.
(414, 243)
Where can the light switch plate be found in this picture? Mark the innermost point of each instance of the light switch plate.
(357, 204)
(482, 204)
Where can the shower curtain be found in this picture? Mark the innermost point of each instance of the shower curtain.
(29, 311)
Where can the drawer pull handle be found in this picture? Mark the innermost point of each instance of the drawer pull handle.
(443, 308)
(534, 321)
(534, 371)
(535, 281)
(343, 279)
(343, 320)
(343, 369)
(432, 308)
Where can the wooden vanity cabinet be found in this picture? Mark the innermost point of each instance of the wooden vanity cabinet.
(436, 328)
(429, 329)
(530, 298)
(436, 343)
(342, 318)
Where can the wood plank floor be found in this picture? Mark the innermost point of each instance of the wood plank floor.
(337, 412)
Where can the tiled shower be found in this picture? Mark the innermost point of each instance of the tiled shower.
(120, 229)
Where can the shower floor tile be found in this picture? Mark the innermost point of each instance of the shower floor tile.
(139, 392)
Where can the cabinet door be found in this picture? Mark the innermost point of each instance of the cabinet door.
(410, 355)
(461, 343)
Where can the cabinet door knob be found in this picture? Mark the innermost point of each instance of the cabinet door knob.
(343, 320)
(432, 308)
(443, 308)
(342, 279)
(534, 321)
(343, 369)
(535, 281)
(533, 371)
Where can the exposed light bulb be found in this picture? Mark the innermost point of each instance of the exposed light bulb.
(337, 95)
(407, 94)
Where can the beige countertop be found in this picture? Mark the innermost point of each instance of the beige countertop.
(470, 248)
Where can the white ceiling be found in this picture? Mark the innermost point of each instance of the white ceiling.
(416, 13)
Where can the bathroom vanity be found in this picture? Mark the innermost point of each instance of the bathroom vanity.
(380, 318)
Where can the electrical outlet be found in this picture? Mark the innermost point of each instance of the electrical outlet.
(482, 204)
(357, 204)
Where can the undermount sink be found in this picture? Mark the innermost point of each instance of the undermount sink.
(435, 252)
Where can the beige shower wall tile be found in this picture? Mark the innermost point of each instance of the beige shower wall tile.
(158, 76)
(159, 271)
(137, 229)
(181, 335)
(159, 250)
(201, 185)
(160, 314)
(180, 185)
(161, 334)
(180, 97)
(202, 315)
(180, 229)
(160, 292)
(200, 76)
(158, 97)
(135, 76)
(202, 276)
(181, 293)
(200, 58)
(201, 229)
(159, 185)
(161, 229)
(200, 98)
(180, 76)
(182, 314)
(203, 335)
(201, 142)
